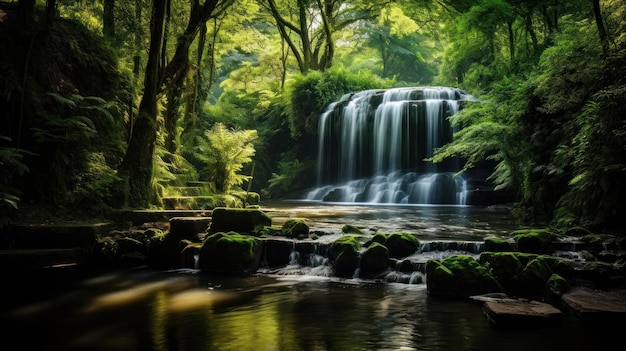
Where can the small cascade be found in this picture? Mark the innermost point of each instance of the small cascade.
(372, 146)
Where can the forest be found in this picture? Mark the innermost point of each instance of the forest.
(107, 104)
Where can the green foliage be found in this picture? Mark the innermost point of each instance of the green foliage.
(288, 179)
(310, 94)
(491, 131)
(95, 187)
(224, 152)
(11, 166)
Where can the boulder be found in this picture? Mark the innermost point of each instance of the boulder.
(401, 244)
(231, 253)
(459, 276)
(189, 227)
(374, 260)
(242, 220)
(343, 255)
(537, 241)
(295, 228)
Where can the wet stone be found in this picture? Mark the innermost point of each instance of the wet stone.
(511, 313)
(596, 306)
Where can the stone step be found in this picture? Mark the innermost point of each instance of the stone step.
(37, 259)
(139, 217)
(54, 236)
(189, 202)
(512, 313)
(597, 306)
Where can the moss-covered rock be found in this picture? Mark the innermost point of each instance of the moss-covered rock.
(523, 274)
(343, 255)
(230, 252)
(498, 245)
(350, 229)
(164, 250)
(401, 244)
(556, 286)
(537, 241)
(502, 265)
(242, 220)
(295, 228)
(374, 260)
(531, 281)
(189, 227)
(459, 276)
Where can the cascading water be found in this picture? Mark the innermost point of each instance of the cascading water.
(372, 146)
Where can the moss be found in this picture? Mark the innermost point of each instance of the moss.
(497, 245)
(459, 276)
(243, 220)
(401, 244)
(502, 265)
(343, 254)
(538, 241)
(295, 228)
(556, 287)
(350, 229)
(230, 252)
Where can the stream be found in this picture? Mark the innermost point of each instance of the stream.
(185, 309)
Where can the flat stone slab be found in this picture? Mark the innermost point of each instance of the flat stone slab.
(56, 235)
(508, 313)
(189, 227)
(591, 305)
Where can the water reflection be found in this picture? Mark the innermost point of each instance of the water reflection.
(188, 310)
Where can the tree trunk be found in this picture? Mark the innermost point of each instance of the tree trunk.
(138, 33)
(172, 115)
(600, 24)
(108, 19)
(137, 165)
(26, 10)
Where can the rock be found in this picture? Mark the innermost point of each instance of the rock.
(498, 245)
(511, 313)
(374, 260)
(242, 220)
(459, 276)
(277, 251)
(350, 229)
(596, 306)
(343, 254)
(231, 253)
(537, 241)
(295, 228)
(401, 244)
(189, 227)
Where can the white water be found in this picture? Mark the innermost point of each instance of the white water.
(372, 146)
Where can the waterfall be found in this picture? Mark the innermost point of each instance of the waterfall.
(372, 146)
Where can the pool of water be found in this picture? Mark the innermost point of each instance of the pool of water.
(188, 310)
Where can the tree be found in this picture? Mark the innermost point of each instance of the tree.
(137, 164)
(136, 168)
(308, 29)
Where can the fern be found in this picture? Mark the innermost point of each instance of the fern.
(224, 152)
